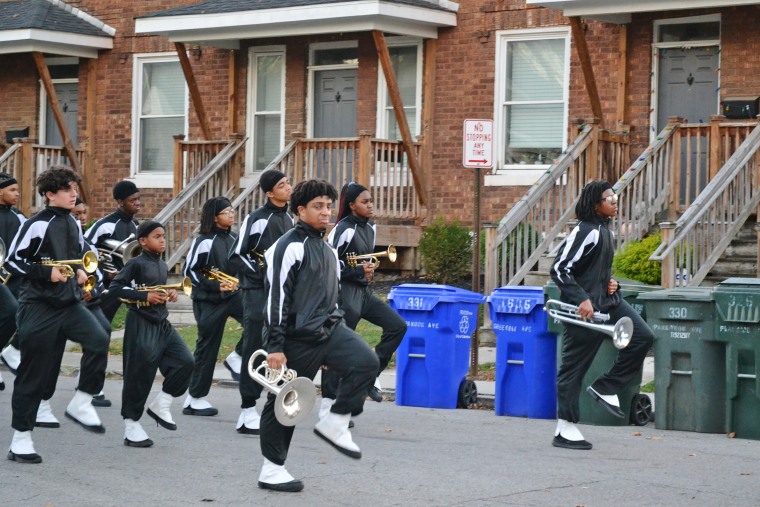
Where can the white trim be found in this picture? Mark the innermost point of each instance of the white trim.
(381, 125)
(253, 53)
(51, 42)
(312, 69)
(360, 15)
(155, 179)
(518, 174)
(656, 46)
(44, 103)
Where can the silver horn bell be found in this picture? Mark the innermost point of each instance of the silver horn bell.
(295, 395)
(621, 332)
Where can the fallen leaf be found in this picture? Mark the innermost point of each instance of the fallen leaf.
(636, 433)
(732, 434)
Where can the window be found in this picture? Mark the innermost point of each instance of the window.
(406, 60)
(160, 112)
(267, 92)
(532, 96)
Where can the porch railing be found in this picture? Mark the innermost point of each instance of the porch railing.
(181, 217)
(696, 241)
(191, 157)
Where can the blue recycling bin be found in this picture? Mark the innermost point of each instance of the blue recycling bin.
(526, 358)
(433, 359)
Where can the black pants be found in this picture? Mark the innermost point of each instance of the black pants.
(43, 330)
(345, 353)
(358, 303)
(8, 309)
(253, 327)
(109, 304)
(211, 319)
(88, 361)
(150, 347)
(580, 347)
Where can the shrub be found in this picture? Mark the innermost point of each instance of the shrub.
(633, 261)
(446, 251)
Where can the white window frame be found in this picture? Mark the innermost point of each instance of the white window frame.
(382, 87)
(504, 174)
(158, 179)
(312, 68)
(253, 54)
(657, 46)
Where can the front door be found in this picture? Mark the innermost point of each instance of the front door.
(335, 117)
(688, 87)
(68, 99)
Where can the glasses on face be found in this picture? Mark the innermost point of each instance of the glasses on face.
(227, 212)
(611, 199)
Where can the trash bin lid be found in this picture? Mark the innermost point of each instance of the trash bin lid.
(750, 283)
(680, 293)
(516, 299)
(424, 296)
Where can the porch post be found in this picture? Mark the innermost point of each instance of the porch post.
(716, 161)
(490, 281)
(594, 159)
(588, 71)
(622, 73)
(89, 132)
(71, 153)
(195, 94)
(27, 175)
(757, 232)
(298, 169)
(179, 176)
(675, 168)
(398, 109)
(365, 158)
(668, 272)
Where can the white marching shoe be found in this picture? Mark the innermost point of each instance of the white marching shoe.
(198, 406)
(333, 428)
(45, 417)
(134, 434)
(568, 436)
(160, 410)
(277, 478)
(80, 410)
(234, 362)
(325, 406)
(249, 422)
(22, 448)
(11, 356)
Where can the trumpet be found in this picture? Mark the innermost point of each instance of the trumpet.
(4, 274)
(295, 397)
(185, 286)
(621, 332)
(353, 260)
(220, 276)
(89, 263)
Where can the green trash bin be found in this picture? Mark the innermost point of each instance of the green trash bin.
(690, 364)
(737, 302)
(637, 406)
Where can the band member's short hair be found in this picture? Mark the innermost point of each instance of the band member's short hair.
(6, 180)
(307, 190)
(147, 227)
(55, 179)
(124, 189)
(269, 179)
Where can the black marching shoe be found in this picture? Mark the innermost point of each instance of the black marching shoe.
(25, 458)
(99, 400)
(293, 486)
(580, 445)
(142, 443)
(375, 394)
(609, 407)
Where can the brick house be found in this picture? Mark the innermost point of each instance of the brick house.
(271, 69)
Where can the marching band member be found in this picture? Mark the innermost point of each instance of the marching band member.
(150, 341)
(51, 311)
(119, 225)
(11, 220)
(214, 301)
(260, 229)
(355, 234)
(583, 273)
(305, 329)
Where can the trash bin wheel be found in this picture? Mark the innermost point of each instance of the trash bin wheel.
(468, 394)
(641, 410)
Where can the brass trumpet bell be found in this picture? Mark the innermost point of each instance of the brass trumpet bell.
(353, 260)
(185, 286)
(620, 333)
(220, 276)
(89, 263)
(295, 396)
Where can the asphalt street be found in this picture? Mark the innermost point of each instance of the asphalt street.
(411, 456)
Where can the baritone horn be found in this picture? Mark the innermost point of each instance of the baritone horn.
(126, 249)
(621, 332)
(185, 286)
(353, 260)
(295, 395)
(89, 263)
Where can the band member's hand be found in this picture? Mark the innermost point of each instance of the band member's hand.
(81, 277)
(172, 296)
(612, 287)
(586, 309)
(87, 296)
(56, 276)
(275, 360)
(111, 274)
(369, 271)
(156, 297)
(227, 287)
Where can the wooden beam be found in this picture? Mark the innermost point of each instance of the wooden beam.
(89, 131)
(232, 99)
(428, 109)
(71, 153)
(622, 73)
(588, 71)
(195, 94)
(398, 109)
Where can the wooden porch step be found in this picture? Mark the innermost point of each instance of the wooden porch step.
(406, 239)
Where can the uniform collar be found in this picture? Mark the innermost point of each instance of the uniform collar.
(270, 206)
(124, 216)
(150, 255)
(59, 211)
(311, 231)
